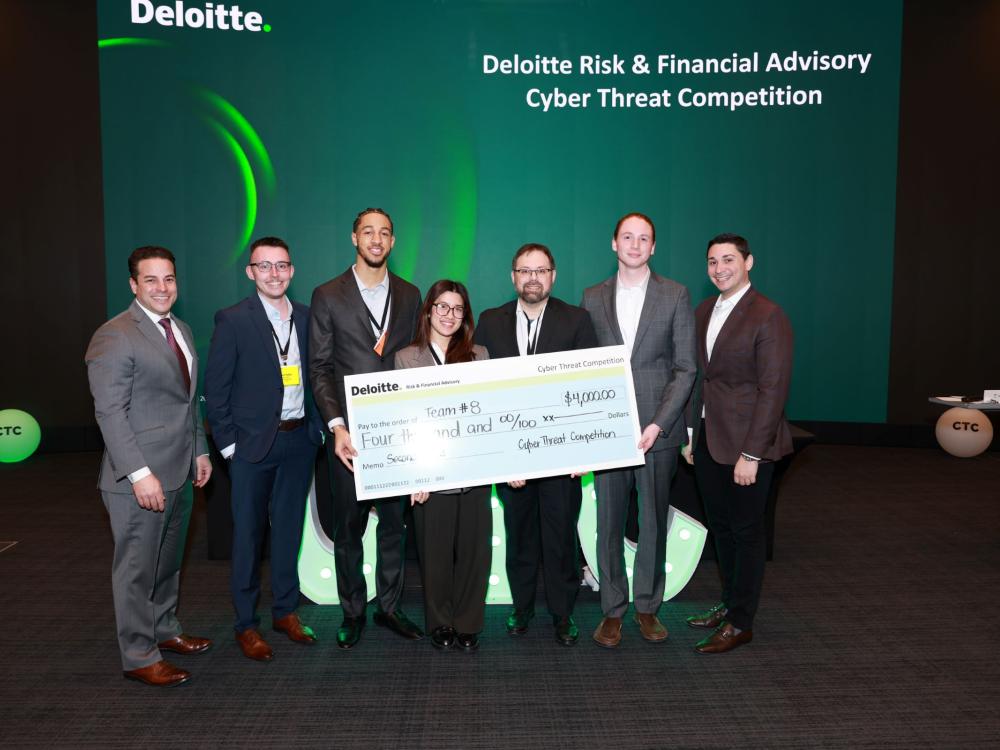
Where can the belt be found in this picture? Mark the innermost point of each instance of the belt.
(287, 425)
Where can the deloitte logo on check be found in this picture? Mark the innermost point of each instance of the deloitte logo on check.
(212, 16)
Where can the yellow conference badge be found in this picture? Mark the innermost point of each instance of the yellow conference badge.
(290, 375)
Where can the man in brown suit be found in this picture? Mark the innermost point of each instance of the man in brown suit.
(737, 410)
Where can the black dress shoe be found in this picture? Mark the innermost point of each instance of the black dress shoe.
(566, 631)
(467, 641)
(349, 632)
(443, 637)
(517, 621)
(399, 624)
(709, 620)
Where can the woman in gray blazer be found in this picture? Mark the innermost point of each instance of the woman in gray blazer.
(453, 527)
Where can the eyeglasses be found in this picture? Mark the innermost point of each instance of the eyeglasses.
(265, 266)
(443, 308)
(527, 273)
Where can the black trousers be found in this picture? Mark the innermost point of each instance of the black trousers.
(540, 521)
(454, 533)
(736, 518)
(350, 518)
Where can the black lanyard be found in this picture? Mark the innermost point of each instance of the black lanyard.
(283, 350)
(435, 354)
(385, 312)
(530, 343)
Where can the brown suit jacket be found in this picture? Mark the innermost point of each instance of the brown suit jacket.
(745, 386)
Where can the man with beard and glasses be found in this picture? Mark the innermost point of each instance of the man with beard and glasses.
(359, 320)
(540, 515)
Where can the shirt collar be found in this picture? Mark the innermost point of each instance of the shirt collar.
(721, 304)
(269, 309)
(384, 283)
(540, 312)
(641, 286)
(153, 316)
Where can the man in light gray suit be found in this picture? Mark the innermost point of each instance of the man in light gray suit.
(652, 317)
(143, 370)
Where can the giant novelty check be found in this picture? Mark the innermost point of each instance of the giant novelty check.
(462, 425)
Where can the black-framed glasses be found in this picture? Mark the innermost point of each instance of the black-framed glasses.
(443, 308)
(527, 273)
(265, 266)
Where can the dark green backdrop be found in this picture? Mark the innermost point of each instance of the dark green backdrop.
(212, 136)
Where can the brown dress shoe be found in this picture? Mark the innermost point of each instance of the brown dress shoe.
(253, 646)
(709, 620)
(185, 644)
(160, 674)
(609, 632)
(725, 638)
(651, 627)
(292, 626)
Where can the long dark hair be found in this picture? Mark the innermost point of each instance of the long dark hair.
(460, 347)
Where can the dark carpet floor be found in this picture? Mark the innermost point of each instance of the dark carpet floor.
(878, 629)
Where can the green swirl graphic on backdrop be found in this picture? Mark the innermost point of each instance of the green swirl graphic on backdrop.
(241, 140)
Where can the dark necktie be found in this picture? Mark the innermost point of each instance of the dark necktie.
(181, 360)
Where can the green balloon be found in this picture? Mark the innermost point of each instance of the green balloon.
(20, 435)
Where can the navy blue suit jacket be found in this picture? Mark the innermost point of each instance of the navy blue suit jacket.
(243, 388)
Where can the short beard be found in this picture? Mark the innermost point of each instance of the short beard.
(533, 298)
(377, 263)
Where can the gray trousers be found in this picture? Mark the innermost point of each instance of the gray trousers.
(145, 572)
(614, 487)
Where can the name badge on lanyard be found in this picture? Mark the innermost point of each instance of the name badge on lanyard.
(380, 325)
(290, 374)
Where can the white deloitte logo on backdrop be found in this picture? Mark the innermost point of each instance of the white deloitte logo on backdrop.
(210, 16)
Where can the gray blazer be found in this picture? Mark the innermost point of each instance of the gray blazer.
(663, 355)
(413, 356)
(146, 415)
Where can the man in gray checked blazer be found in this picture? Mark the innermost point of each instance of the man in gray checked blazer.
(652, 317)
(143, 374)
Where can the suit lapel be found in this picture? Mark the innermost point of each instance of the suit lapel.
(395, 315)
(352, 294)
(732, 324)
(608, 290)
(153, 334)
(650, 302)
(261, 323)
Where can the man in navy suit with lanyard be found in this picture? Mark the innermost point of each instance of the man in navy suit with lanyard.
(263, 421)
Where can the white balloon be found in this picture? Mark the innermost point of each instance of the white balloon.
(964, 432)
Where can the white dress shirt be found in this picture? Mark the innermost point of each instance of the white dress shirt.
(524, 336)
(628, 306)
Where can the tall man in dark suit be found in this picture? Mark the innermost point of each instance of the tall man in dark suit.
(738, 407)
(263, 420)
(652, 317)
(143, 374)
(359, 321)
(540, 515)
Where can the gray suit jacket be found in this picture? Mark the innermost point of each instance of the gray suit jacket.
(146, 415)
(663, 355)
(413, 356)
